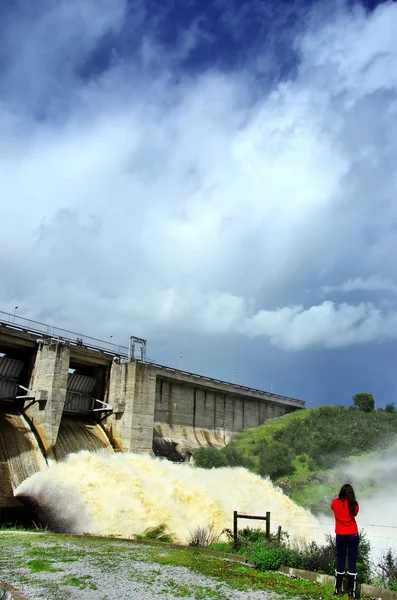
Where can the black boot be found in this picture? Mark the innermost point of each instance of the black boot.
(352, 585)
(338, 583)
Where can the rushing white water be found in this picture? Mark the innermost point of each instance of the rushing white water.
(124, 494)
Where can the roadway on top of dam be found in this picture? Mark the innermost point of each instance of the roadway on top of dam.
(16, 331)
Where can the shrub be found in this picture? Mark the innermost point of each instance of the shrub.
(387, 571)
(204, 536)
(210, 458)
(363, 558)
(157, 533)
(271, 556)
(235, 458)
(248, 537)
(390, 408)
(323, 558)
(320, 558)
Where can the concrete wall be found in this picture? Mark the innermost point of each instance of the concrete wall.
(195, 411)
(132, 394)
(49, 382)
(180, 404)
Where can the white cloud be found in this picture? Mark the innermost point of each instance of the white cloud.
(154, 208)
(374, 283)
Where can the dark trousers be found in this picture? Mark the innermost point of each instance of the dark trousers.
(346, 544)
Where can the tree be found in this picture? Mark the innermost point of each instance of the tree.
(390, 408)
(364, 401)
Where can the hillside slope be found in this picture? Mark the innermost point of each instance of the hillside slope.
(310, 453)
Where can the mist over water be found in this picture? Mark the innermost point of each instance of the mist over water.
(124, 494)
(374, 479)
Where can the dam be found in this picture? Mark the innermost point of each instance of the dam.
(62, 392)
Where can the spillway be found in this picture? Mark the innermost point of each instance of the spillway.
(20, 453)
(77, 434)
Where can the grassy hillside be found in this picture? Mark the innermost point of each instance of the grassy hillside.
(308, 452)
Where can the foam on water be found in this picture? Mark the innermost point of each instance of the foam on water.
(124, 494)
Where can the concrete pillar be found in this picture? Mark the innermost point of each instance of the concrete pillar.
(49, 381)
(132, 393)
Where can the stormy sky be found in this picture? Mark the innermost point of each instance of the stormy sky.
(218, 177)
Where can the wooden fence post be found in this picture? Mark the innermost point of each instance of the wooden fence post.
(235, 537)
(279, 534)
(268, 525)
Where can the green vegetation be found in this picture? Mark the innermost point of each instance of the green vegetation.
(207, 458)
(269, 555)
(157, 533)
(306, 452)
(39, 564)
(387, 571)
(79, 582)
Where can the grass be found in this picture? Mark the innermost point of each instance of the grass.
(244, 578)
(79, 582)
(118, 559)
(37, 565)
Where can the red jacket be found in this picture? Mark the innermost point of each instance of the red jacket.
(345, 523)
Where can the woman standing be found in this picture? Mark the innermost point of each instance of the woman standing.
(345, 509)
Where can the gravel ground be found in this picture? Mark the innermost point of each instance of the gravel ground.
(72, 570)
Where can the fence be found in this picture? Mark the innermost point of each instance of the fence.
(237, 516)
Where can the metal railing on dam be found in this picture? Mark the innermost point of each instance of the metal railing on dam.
(14, 321)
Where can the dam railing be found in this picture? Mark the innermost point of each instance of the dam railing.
(57, 333)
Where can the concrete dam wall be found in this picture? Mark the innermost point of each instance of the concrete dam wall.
(61, 393)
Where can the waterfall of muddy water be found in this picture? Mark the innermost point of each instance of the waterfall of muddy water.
(20, 454)
(124, 494)
(76, 434)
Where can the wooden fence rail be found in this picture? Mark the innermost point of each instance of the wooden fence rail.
(237, 516)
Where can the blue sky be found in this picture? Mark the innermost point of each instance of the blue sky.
(218, 177)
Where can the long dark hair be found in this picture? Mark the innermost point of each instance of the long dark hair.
(347, 493)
